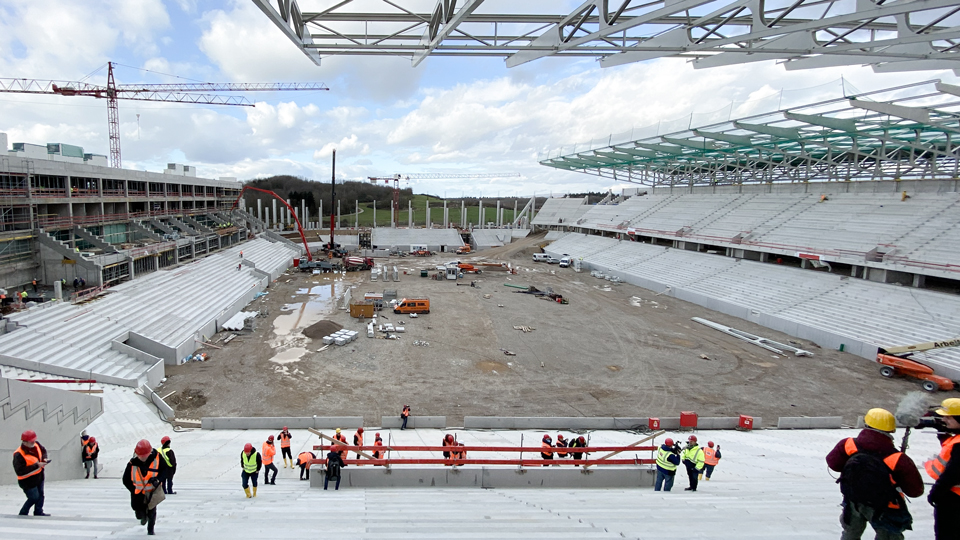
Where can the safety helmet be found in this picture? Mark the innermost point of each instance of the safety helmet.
(668, 442)
(377, 435)
(359, 430)
(248, 448)
(338, 430)
(710, 444)
(448, 437)
(164, 440)
(882, 419)
(692, 438)
(143, 448)
(547, 438)
(270, 438)
(949, 407)
(284, 428)
(581, 440)
(92, 439)
(28, 436)
(559, 436)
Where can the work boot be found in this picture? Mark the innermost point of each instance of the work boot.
(254, 491)
(247, 491)
(700, 476)
(708, 479)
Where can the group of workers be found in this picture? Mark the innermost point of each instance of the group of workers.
(562, 448)
(697, 461)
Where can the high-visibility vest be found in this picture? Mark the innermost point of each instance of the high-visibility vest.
(358, 440)
(285, 439)
(694, 455)
(710, 456)
(850, 447)
(545, 450)
(88, 450)
(30, 460)
(662, 462)
(305, 458)
(561, 453)
(267, 453)
(406, 412)
(141, 482)
(936, 466)
(163, 453)
(377, 453)
(249, 462)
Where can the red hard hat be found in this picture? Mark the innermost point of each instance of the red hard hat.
(28, 436)
(143, 448)
(359, 430)
(559, 436)
(284, 428)
(377, 435)
(164, 440)
(581, 440)
(270, 438)
(668, 442)
(710, 444)
(692, 438)
(93, 440)
(248, 448)
(547, 438)
(449, 437)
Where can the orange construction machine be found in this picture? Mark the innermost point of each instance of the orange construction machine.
(896, 361)
(468, 268)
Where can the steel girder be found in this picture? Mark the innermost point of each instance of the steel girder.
(890, 35)
(873, 136)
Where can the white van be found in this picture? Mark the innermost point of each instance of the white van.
(540, 257)
(566, 262)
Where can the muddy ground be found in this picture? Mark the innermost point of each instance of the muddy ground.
(614, 350)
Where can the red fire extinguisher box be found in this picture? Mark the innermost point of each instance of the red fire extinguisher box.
(688, 420)
(745, 423)
(654, 423)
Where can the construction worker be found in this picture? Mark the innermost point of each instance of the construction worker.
(29, 459)
(166, 453)
(358, 441)
(711, 457)
(561, 443)
(377, 454)
(285, 437)
(545, 443)
(23, 296)
(871, 473)
(692, 457)
(579, 442)
(144, 473)
(404, 415)
(267, 451)
(668, 459)
(303, 461)
(89, 454)
(250, 464)
(945, 470)
(448, 440)
(334, 464)
(342, 438)
(35, 285)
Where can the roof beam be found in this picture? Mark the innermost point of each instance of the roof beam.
(739, 140)
(773, 131)
(441, 24)
(915, 114)
(836, 124)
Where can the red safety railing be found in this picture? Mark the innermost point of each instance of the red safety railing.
(85, 294)
(58, 381)
(522, 462)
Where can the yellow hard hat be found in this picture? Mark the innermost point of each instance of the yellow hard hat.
(338, 430)
(949, 407)
(881, 420)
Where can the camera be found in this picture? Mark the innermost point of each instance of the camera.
(932, 422)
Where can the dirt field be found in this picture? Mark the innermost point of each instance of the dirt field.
(615, 350)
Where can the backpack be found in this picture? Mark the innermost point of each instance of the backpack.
(866, 480)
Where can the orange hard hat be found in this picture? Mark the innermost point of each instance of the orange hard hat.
(28, 436)
(143, 448)
(668, 442)
(248, 448)
(164, 440)
(692, 438)
(710, 444)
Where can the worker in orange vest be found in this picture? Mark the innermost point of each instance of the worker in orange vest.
(377, 454)
(561, 443)
(267, 451)
(303, 461)
(358, 442)
(546, 443)
(711, 457)
(142, 477)
(342, 438)
(285, 437)
(91, 450)
(404, 415)
(945, 470)
(448, 440)
(29, 459)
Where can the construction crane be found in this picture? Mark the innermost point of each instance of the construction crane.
(177, 93)
(426, 176)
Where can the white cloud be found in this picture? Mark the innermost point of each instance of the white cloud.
(348, 146)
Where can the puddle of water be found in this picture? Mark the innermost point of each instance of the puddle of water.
(289, 355)
(321, 302)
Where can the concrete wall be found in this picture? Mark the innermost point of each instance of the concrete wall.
(437, 422)
(64, 371)
(491, 477)
(277, 422)
(810, 422)
(58, 417)
(597, 423)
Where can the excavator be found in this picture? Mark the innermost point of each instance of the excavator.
(896, 361)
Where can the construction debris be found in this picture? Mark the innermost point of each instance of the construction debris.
(524, 329)
(420, 343)
(508, 353)
(705, 357)
(768, 344)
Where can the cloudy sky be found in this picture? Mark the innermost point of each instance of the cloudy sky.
(382, 115)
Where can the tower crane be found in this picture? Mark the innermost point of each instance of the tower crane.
(426, 176)
(178, 93)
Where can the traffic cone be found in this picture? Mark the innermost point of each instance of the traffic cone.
(247, 491)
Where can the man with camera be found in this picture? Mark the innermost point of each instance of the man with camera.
(945, 470)
(668, 459)
(29, 460)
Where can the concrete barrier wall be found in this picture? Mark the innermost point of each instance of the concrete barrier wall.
(277, 422)
(435, 422)
(810, 422)
(490, 477)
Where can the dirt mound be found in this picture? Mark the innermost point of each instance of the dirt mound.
(321, 329)
(189, 398)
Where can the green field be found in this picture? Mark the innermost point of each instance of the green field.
(420, 213)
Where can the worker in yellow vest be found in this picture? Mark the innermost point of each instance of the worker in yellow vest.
(945, 470)
(711, 457)
(693, 460)
(250, 464)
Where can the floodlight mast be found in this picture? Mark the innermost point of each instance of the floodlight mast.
(426, 176)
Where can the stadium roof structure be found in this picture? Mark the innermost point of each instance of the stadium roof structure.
(906, 132)
(905, 35)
